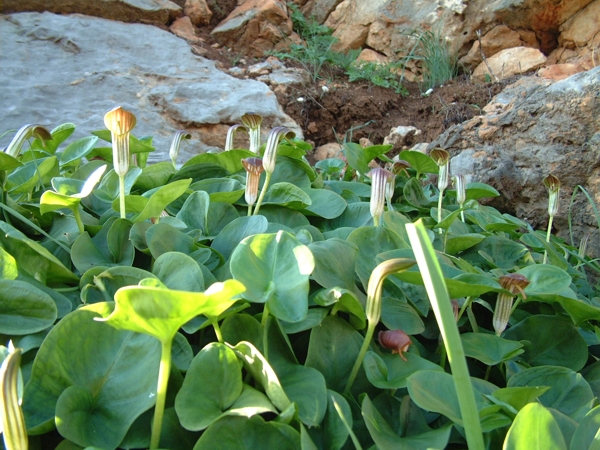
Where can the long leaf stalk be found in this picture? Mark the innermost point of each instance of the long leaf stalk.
(13, 422)
(161, 393)
(373, 307)
(444, 314)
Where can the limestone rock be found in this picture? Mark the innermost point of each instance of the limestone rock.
(92, 65)
(401, 137)
(498, 38)
(157, 12)
(319, 9)
(198, 11)
(509, 62)
(371, 56)
(326, 151)
(255, 27)
(533, 128)
(183, 28)
(558, 72)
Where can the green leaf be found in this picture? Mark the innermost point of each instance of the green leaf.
(226, 190)
(534, 428)
(325, 203)
(159, 200)
(91, 377)
(355, 215)
(154, 176)
(211, 386)
(179, 272)
(334, 263)
(489, 348)
(419, 161)
(231, 160)
(518, 397)
(110, 247)
(564, 346)
(386, 439)
(287, 194)
(237, 230)
(275, 269)
(107, 282)
(24, 309)
(240, 433)
(415, 196)
(359, 157)
(332, 350)
(569, 392)
(586, 434)
(475, 191)
(161, 312)
(78, 149)
(390, 371)
(26, 177)
(8, 162)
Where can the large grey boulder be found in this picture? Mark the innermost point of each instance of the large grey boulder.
(75, 68)
(157, 12)
(529, 130)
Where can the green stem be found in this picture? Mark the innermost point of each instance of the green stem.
(376, 220)
(440, 199)
(548, 234)
(467, 303)
(161, 393)
(122, 197)
(361, 356)
(263, 322)
(472, 319)
(217, 328)
(77, 216)
(249, 210)
(262, 192)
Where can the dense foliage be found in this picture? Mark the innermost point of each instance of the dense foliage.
(196, 313)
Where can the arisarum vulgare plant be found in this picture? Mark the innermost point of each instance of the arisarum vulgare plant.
(120, 123)
(254, 167)
(380, 181)
(253, 121)
(552, 183)
(231, 132)
(514, 283)
(270, 157)
(373, 307)
(180, 135)
(442, 159)
(461, 192)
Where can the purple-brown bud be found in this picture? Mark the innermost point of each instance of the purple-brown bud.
(396, 340)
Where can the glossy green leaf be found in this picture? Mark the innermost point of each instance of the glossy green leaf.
(471, 285)
(334, 346)
(534, 428)
(101, 378)
(161, 312)
(275, 269)
(33, 258)
(240, 433)
(569, 392)
(518, 397)
(390, 371)
(475, 191)
(325, 203)
(197, 172)
(489, 348)
(333, 434)
(386, 439)
(586, 436)
(154, 176)
(24, 309)
(237, 230)
(334, 263)
(564, 346)
(8, 162)
(397, 314)
(78, 149)
(24, 178)
(345, 301)
(419, 161)
(230, 160)
(108, 189)
(110, 247)
(211, 386)
(107, 282)
(158, 201)
(8, 266)
(287, 194)
(179, 272)
(415, 195)
(226, 190)
(359, 157)
(358, 189)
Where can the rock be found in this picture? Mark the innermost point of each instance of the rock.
(368, 55)
(529, 130)
(509, 62)
(331, 150)
(198, 11)
(543, 17)
(286, 76)
(401, 137)
(91, 65)
(498, 38)
(255, 27)
(157, 12)
(319, 9)
(558, 72)
(183, 28)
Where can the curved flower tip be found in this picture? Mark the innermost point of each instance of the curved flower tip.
(400, 166)
(440, 156)
(276, 134)
(119, 121)
(253, 165)
(252, 120)
(552, 183)
(514, 283)
(396, 340)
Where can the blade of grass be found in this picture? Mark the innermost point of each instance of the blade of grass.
(440, 303)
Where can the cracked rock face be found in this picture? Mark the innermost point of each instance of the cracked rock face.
(75, 68)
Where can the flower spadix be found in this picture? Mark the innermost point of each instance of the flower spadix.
(515, 284)
(120, 122)
(380, 178)
(231, 132)
(253, 121)
(254, 167)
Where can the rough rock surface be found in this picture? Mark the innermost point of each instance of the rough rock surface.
(255, 27)
(509, 62)
(157, 12)
(103, 64)
(528, 131)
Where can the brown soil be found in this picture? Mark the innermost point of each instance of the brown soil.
(351, 111)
